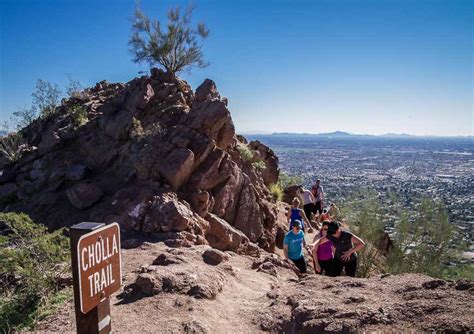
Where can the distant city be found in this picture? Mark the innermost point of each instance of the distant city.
(439, 167)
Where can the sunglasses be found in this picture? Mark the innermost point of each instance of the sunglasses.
(325, 229)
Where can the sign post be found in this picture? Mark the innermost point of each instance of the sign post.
(96, 272)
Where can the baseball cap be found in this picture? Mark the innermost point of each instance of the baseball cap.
(296, 223)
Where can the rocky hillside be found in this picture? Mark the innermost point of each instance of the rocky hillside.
(153, 156)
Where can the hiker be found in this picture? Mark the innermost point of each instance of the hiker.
(323, 254)
(333, 211)
(308, 201)
(293, 246)
(318, 194)
(295, 213)
(346, 245)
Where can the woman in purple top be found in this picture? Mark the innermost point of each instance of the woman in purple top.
(323, 253)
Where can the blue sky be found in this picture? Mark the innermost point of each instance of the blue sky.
(286, 66)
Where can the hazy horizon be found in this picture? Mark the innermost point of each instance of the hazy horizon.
(366, 67)
(265, 133)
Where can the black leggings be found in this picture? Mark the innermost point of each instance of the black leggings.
(300, 264)
(308, 209)
(350, 268)
(327, 267)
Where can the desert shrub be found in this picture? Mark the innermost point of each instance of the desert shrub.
(286, 180)
(74, 87)
(463, 270)
(245, 152)
(421, 240)
(24, 117)
(155, 130)
(78, 115)
(46, 98)
(11, 146)
(365, 216)
(32, 264)
(177, 48)
(136, 131)
(259, 165)
(276, 191)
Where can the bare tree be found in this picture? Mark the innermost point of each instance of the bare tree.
(74, 88)
(46, 97)
(177, 48)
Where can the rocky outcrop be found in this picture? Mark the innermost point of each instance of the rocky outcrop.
(379, 304)
(154, 157)
(175, 271)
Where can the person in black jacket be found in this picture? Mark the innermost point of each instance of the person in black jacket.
(346, 245)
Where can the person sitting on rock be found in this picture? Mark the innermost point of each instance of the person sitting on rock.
(323, 253)
(325, 216)
(293, 246)
(346, 245)
(295, 213)
(333, 211)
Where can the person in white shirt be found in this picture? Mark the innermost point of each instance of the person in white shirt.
(308, 201)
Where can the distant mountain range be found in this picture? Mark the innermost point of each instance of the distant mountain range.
(342, 134)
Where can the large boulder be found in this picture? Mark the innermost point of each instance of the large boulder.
(84, 195)
(263, 153)
(168, 214)
(223, 236)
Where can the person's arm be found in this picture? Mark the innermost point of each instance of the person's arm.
(358, 245)
(311, 196)
(288, 215)
(285, 251)
(303, 215)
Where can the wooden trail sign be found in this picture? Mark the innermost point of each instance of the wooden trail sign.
(96, 266)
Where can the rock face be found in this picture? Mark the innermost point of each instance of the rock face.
(154, 157)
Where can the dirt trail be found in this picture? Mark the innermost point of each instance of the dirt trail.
(252, 295)
(234, 308)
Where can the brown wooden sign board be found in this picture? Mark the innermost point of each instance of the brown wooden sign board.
(98, 265)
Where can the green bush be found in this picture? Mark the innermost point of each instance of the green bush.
(78, 115)
(259, 165)
(32, 265)
(276, 191)
(285, 180)
(245, 152)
